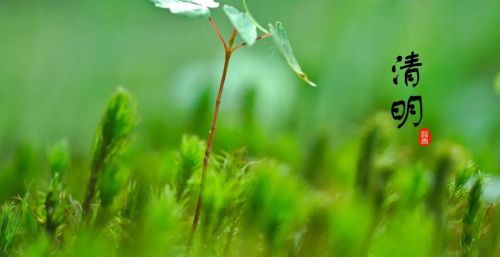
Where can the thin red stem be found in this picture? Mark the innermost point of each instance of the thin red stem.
(258, 38)
(228, 51)
(231, 41)
(217, 31)
(211, 135)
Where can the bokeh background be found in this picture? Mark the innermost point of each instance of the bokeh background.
(61, 60)
(325, 172)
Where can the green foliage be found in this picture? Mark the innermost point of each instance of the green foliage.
(250, 203)
(127, 201)
(276, 201)
(218, 200)
(28, 217)
(52, 200)
(243, 24)
(112, 135)
(109, 185)
(224, 198)
(9, 228)
(251, 206)
(462, 178)
(472, 220)
(188, 161)
(115, 129)
(256, 207)
(54, 212)
(162, 226)
(284, 46)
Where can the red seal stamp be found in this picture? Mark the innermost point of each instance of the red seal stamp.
(425, 137)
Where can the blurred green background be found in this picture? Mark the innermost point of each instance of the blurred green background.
(61, 60)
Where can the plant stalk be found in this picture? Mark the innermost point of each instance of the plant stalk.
(227, 57)
(228, 51)
(257, 39)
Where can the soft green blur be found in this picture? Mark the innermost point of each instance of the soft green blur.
(60, 60)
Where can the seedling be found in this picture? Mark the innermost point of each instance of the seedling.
(111, 137)
(246, 27)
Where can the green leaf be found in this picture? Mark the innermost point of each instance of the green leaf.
(283, 43)
(189, 8)
(249, 15)
(244, 25)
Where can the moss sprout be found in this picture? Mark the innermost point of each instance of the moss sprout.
(112, 135)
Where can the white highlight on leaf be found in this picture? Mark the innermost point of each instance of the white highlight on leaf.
(242, 23)
(206, 3)
(190, 8)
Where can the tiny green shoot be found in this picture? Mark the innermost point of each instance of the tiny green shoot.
(244, 25)
(112, 136)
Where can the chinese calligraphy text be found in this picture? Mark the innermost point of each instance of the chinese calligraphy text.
(401, 110)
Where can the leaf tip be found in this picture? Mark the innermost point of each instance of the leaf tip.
(304, 77)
